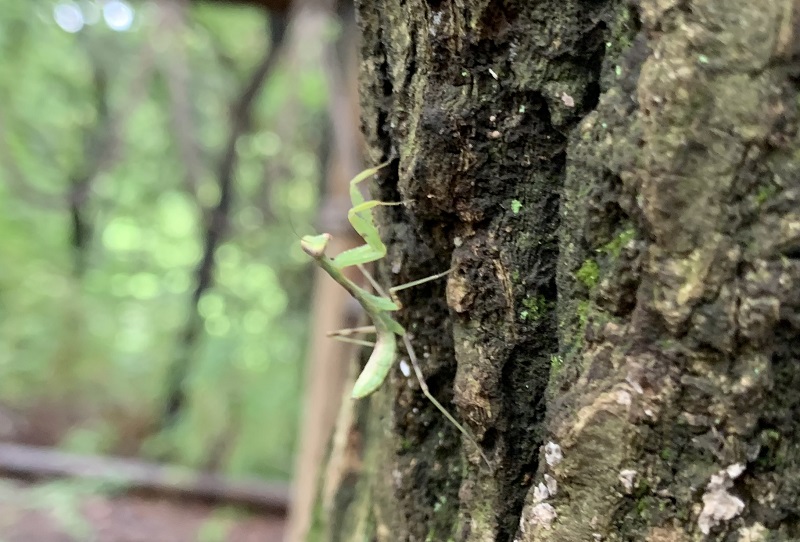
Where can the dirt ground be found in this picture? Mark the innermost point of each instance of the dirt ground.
(64, 511)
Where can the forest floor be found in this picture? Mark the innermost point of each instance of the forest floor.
(64, 511)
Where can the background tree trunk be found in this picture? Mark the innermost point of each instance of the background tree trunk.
(628, 364)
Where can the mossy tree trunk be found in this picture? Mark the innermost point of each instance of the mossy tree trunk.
(616, 186)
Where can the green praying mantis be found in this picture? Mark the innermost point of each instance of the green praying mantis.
(377, 307)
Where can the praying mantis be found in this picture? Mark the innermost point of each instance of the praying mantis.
(377, 307)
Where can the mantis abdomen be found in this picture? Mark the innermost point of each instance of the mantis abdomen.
(379, 363)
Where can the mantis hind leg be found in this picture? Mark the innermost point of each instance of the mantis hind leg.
(424, 387)
(413, 283)
(394, 289)
(344, 335)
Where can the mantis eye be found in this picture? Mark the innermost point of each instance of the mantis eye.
(315, 245)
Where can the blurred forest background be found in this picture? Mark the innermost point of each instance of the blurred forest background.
(120, 125)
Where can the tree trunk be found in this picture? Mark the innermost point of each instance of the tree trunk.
(615, 187)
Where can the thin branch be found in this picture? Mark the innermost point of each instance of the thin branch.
(99, 144)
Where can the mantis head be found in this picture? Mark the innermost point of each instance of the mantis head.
(315, 245)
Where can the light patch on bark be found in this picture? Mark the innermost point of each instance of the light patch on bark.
(627, 477)
(552, 454)
(540, 492)
(552, 485)
(753, 533)
(718, 504)
(543, 515)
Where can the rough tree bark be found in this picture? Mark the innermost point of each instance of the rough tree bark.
(616, 187)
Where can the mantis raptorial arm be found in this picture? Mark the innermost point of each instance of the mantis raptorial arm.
(377, 307)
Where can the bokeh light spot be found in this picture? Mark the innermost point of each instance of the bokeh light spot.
(217, 325)
(69, 17)
(122, 234)
(143, 286)
(210, 305)
(118, 15)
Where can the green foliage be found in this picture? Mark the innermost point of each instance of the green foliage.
(535, 308)
(588, 274)
(103, 340)
(583, 312)
(60, 499)
(765, 193)
(614, 247)
(216, 528)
